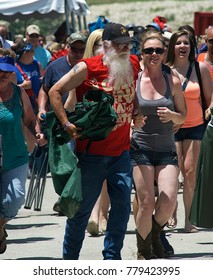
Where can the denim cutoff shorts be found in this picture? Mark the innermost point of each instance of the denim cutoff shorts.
(147, 157)
(191, 133)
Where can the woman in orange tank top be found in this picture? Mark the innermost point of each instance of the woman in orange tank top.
(188, 138)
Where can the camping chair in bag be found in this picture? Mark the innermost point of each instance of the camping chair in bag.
(40, 168)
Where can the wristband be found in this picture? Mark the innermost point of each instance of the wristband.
(66, 126)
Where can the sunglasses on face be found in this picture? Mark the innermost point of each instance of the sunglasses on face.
(210, 41)
(152, 50)
(34, 35)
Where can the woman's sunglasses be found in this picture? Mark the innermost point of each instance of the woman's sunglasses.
(152, 50)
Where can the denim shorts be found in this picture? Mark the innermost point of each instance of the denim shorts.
(143, 157)
(12, 191)
(191, 133)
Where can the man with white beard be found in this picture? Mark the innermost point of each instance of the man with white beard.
(114, 72)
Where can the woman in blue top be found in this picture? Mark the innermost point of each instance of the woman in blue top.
(29, 71)
(15, 108)
(29, 78)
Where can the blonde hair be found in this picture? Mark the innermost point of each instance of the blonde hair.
(53, 47)
(93, 38)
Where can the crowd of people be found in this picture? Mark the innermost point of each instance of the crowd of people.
(162, 85)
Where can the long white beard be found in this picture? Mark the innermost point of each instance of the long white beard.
(120, 68)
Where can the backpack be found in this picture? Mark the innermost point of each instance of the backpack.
(94, 115)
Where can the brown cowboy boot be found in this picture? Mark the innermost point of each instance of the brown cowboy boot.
(157, 245)
(144, 247)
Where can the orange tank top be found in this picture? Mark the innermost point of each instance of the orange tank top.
(194, 116)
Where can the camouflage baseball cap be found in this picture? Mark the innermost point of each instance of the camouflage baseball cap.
(77, 36)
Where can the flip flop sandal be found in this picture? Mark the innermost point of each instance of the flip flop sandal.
(3, 243)
(172, 222)
(190, 229)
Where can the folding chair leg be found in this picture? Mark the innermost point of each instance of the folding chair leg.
(30, 196)
(40, 189)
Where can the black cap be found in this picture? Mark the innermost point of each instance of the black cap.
(117, 33)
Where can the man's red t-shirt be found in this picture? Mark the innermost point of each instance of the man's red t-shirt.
(97, 78)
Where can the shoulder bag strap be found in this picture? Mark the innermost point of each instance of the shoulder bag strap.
(203, 101)
(22, 72)
(197, 68)
(28, 91)
(188, 74)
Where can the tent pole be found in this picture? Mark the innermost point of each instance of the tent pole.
(79, 23)
(85, 22)
(73, 21)
(67, 16)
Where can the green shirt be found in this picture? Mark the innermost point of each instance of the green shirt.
(13, 143)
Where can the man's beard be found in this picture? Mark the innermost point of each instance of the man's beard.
(120, 68)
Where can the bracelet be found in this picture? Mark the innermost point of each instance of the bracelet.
(66, 126)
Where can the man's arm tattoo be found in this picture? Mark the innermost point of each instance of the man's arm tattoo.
(75, 68)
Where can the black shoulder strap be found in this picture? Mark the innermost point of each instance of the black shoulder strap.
(197, 68)
(188, 74)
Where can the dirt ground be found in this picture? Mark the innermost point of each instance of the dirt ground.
(141, 13)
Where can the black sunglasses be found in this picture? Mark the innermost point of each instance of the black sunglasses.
(152, 50)
(34, 35)
(210, 41)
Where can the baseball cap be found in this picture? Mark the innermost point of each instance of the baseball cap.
(77, 36)
(33, 29)
(117, 33)
(154, 25)
(7, 64)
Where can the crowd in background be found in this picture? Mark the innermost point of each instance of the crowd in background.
(40, 61)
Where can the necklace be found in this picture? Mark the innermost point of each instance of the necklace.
(5, 107)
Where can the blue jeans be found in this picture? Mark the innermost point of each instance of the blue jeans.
(94, 170)
(12, 191)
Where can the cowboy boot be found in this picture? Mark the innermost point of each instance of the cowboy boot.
(144, 247)
(157, 245)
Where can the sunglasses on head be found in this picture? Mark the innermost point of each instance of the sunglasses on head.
(28, 48)
(152, 50)
(210, 41)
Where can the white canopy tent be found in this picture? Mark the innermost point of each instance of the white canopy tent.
(38, 9)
